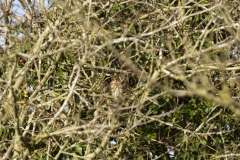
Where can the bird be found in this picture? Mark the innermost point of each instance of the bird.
(116, 87)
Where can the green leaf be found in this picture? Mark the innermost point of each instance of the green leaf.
(152, 135)
(79, 149)
(154, 108)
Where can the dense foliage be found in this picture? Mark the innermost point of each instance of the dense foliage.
(176, 61)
